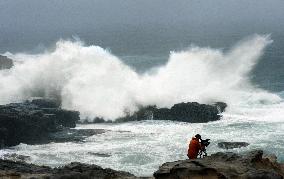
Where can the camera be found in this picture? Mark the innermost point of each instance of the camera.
(204, 144)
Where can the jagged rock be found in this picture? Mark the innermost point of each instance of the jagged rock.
(222, 165)
(270, 157)
(79, 170)
(9, 169)
(29, 123)
(5, 62)
(12, 167)
(219, 165)
(232, 145)
(187, 112)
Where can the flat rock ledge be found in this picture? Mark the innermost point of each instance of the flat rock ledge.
(223, 165)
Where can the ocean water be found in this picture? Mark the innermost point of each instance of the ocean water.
(141, 147)
(105, 58)
(99, 83)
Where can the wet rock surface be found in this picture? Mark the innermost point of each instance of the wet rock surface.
(186, 112)
(76, 170)
(232, 145)
(5, 62)
(223, 165)
(15, 157)
(33, 121)
(99, 154)
(73, 135)
(220, 165)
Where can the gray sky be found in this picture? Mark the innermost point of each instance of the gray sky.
(39, 21)
(52, 14)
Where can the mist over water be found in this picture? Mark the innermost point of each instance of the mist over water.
(98, 84)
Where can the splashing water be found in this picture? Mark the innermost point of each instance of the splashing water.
(95, 82)
(98, 84)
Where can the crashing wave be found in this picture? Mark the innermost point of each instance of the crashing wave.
(98, 84)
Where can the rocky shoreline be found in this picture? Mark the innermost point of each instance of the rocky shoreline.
(224, 165)
(33, 121)
(252, 165)
(10, 169)
(41, 120)
(191, 112)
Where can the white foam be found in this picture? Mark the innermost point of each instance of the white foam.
(99, 84)
(141, 147)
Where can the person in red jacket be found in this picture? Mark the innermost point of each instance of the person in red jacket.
(194, 147)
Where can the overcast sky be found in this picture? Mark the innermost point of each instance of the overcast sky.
(54, 14)
(51, 19)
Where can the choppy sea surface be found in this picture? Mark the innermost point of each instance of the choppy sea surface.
(141, 147)
(247, 74)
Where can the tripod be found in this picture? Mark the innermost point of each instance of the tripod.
(202, 153)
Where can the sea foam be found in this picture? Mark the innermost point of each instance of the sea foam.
(98, 84)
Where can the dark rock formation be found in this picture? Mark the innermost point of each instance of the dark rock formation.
(223, 165)
(5, 62)
(96, 120)
(9, 169)
(46, 103)
(78, 170)
(232, 145)
(187, 112)
(220, 165)
(32, 122)
(99, 154)
(73, 135)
